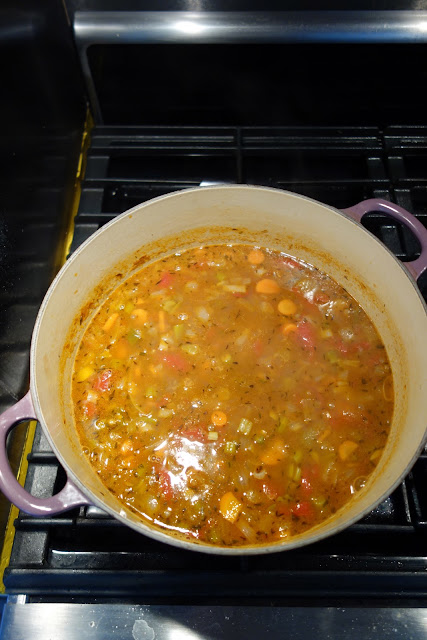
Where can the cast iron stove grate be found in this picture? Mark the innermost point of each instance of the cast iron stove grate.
(87, 552)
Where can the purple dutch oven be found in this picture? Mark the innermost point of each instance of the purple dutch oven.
(332, 240)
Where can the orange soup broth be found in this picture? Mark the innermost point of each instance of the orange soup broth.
(232, 394)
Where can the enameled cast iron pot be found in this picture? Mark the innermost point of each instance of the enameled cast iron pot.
(332, 240)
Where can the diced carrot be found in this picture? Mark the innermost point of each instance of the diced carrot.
(267, 286)
(130, 462)
(126, 446)
(230, 506)
(287, 307)
(289, 328)
(110, 322)
(162, 322)
(275, 452)
(376, 455)
(140, 316)
(84, 373)
(219, 418)
(121, 349)
(346, 449)
(324, 435)
(256, 256)
(137, 371)
(103, 380)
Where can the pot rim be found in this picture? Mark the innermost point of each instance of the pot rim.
(142, 527)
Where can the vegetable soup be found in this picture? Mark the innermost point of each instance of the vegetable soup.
(232, 394)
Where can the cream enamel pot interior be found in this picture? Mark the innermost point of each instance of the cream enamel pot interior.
(323, 236)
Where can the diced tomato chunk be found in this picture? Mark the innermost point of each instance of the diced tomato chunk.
(290, 262)
(89, 409)
(166, 280)
(194, 433)
(303, 510)
(305, 335)
(103, 381)
(283, 509)
(176, 361)
(351, 347)
(271, 491)
(165, 484)
(258, 347)
(306, 487)
(321, 298)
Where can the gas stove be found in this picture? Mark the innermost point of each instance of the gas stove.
(372, 574)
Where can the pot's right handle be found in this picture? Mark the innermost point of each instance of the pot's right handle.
(67, 498)
(416, 267)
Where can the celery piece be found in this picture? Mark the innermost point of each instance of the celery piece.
(283, 424)
(298, 456)
(151, 392)
(230, 448)
(245, 426)
(169, 305)
(332, 357)
(192, 349)
(319, 501)
(179, 331)
(134, 335)
(214, 536)
(129, 307)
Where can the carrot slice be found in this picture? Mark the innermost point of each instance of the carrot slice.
(346, 449)
(110, 322)
(256, 256)
(275, 452)
(140, 315)
(267, 286)
(219, 418)
(289, 328)
(287, 307)
(230, 507)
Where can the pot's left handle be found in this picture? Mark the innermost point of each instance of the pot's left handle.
(67, 498)
(416, 267)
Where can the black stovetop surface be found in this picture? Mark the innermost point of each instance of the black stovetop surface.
(85, 552)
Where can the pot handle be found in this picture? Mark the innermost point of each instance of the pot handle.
(67, 498)
(416, 267)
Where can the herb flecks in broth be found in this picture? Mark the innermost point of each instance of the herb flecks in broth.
(233, 394)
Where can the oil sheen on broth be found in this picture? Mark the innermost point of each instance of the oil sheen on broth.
(232, 394)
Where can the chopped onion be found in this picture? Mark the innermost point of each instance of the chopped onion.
(259, 475)
(203, 314)
(234, 288)
(240, 341)
(92, 396)
(245, 528)
(165, 413)
(346, 334)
